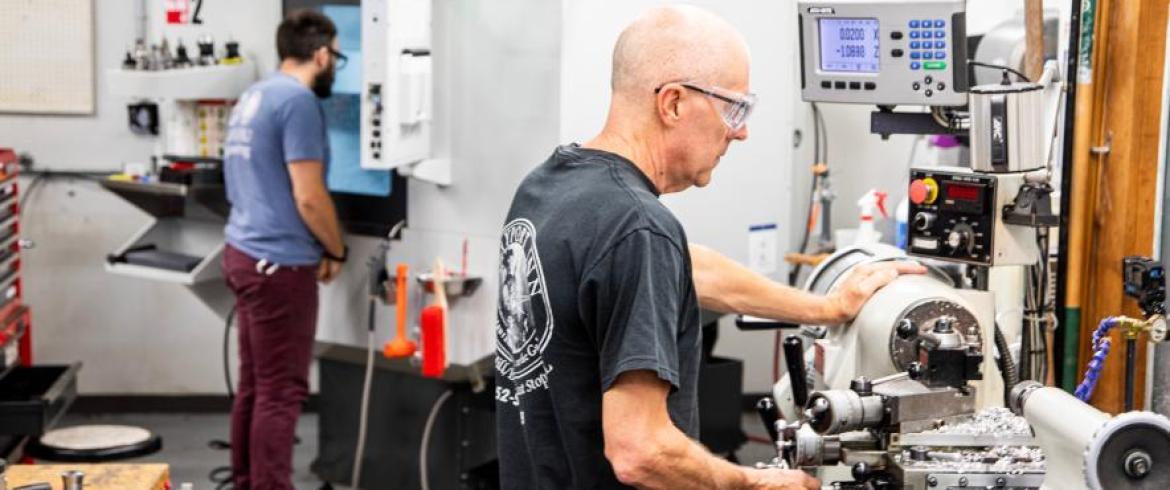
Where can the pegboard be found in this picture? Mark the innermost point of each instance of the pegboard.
(47, 56)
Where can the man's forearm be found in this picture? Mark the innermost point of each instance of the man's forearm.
(683, 464)
(726, 286)
(320, 217)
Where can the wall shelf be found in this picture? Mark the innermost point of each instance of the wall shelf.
(218, 82)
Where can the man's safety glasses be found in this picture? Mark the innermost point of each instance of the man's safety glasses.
(736, 109)
(341, 58)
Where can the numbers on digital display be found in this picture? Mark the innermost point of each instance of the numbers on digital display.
(850, 45)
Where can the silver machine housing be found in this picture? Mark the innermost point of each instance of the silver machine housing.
(1005, 121)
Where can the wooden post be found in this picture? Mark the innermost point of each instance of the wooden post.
(1034, 51)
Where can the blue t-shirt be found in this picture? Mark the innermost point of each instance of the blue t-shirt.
(275, 122)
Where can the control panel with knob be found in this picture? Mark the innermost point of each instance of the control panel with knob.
(957, 216)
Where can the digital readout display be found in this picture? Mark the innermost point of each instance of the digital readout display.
(850, 45)
(959, 192)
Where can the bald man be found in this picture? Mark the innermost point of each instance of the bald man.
(598, 336)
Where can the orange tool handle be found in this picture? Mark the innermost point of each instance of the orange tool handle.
(403, 272)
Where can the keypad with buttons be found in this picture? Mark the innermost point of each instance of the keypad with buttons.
(928, 43)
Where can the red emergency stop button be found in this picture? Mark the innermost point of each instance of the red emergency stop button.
(923, 191)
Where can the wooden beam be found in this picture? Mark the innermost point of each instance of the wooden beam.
(1034, 28)
(1120, 187)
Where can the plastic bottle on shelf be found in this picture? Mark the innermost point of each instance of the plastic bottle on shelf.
(902, 223)
(869, 203)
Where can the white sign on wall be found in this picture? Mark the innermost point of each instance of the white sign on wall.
(46, 57)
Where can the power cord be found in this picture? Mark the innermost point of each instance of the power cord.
(377, 274)
(425, 445)
(994, 66)
(363, 418)
(1007, 367)
(221, 476)
(820, 156)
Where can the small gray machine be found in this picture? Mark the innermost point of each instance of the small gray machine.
(884, 52)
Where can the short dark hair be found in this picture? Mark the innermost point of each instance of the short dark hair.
(303, 32)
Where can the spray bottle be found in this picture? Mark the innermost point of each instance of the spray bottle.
(870, 201)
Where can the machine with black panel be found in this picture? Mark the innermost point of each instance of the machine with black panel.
(884, 52)
(957, 215)
(1145, 281)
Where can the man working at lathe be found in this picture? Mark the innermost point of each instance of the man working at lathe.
(598, 335)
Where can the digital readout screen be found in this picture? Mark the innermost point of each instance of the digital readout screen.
(850, 45)
(957, 192)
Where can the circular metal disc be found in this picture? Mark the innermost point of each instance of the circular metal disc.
(1105, 459)
(904, 352)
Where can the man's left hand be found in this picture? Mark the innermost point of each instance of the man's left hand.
(327, 270)
(846, 301)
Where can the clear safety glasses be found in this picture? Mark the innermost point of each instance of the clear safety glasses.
(736, 106)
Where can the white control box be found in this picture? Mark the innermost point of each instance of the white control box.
(397, 87)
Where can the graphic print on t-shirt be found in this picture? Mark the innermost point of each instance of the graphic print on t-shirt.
(524, 322)
(246, 108)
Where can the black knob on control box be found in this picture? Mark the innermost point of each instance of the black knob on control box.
(923, 221)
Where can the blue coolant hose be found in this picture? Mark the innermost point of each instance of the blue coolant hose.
(1101, 345)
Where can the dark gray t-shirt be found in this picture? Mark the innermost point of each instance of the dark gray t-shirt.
(595, 281)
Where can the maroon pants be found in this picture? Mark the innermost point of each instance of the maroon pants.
(277, 322)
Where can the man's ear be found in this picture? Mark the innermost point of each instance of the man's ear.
(321, 57)
(669, 101)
